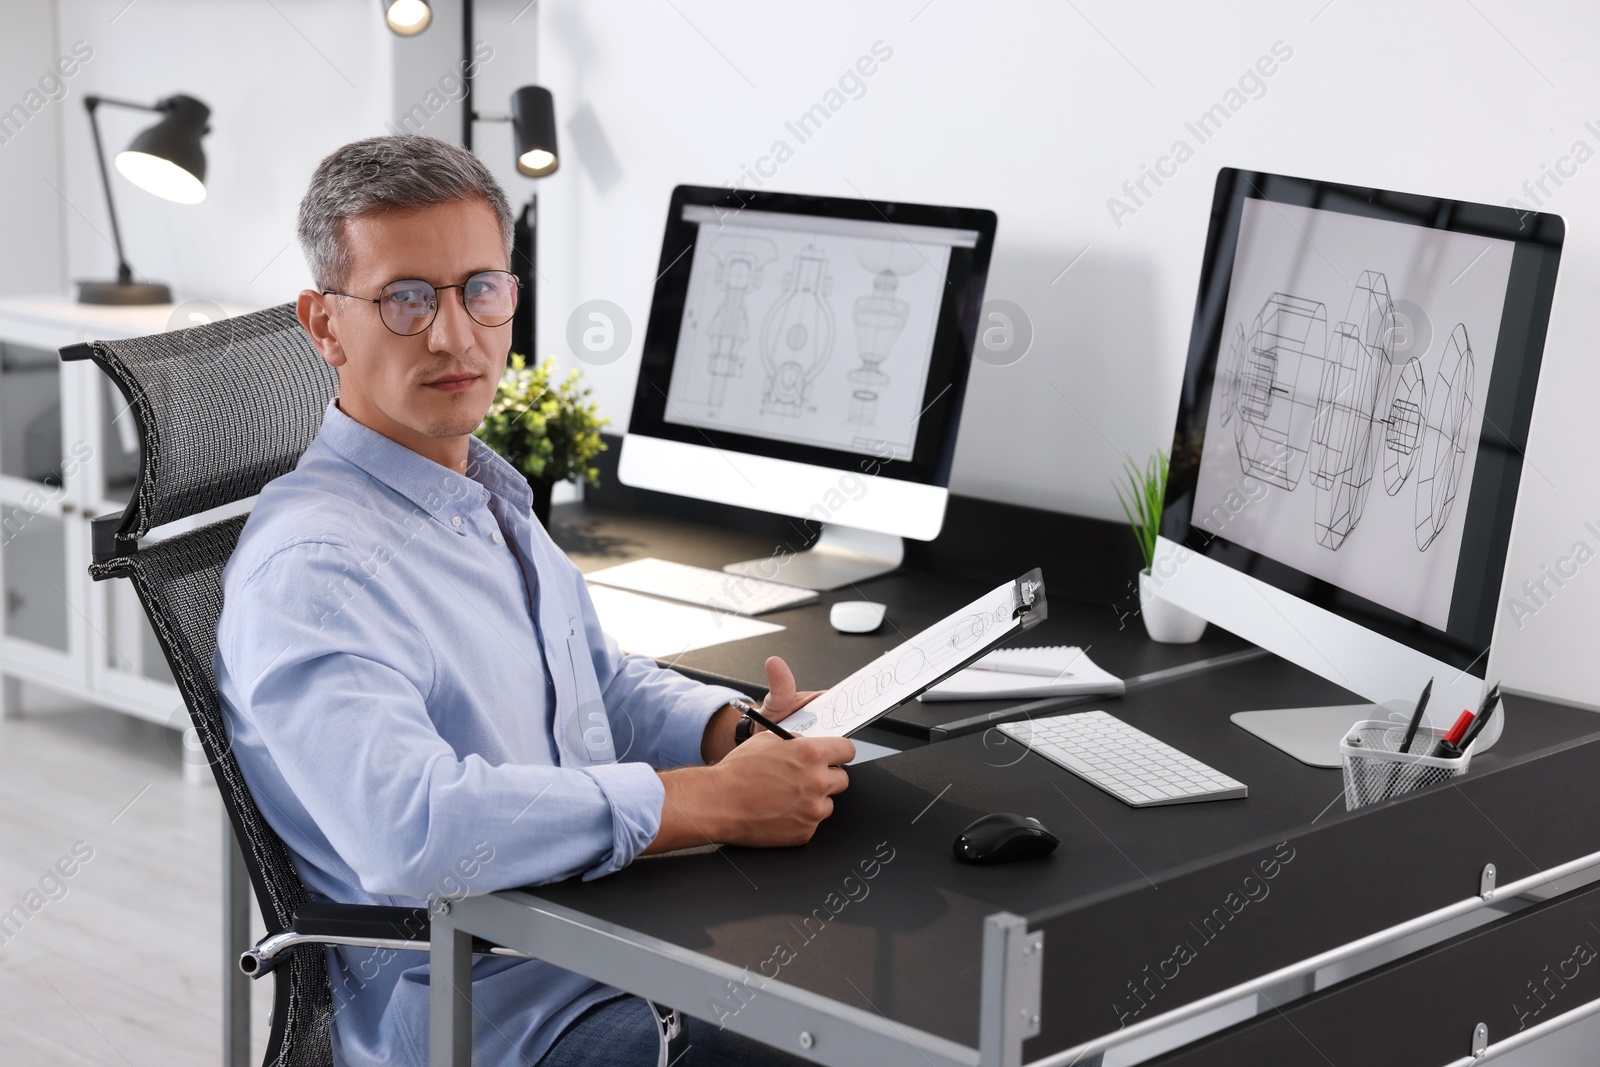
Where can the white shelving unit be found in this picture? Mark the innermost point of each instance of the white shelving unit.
(69, 452)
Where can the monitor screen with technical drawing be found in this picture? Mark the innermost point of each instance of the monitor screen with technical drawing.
(1357, 402)
(808, 356)
(810, 329)
(824, 331)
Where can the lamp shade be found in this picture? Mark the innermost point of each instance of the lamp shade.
(167, 158)
(533, 123)
(407, 18)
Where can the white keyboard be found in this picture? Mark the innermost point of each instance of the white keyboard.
(720, 590)
(1127, 763)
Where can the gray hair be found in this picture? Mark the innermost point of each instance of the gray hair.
(404, 171)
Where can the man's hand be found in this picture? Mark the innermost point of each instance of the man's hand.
(781, 701)
(767, 792)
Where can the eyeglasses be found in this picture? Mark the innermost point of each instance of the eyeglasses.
(409, 306)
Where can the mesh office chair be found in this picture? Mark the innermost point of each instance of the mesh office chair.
(222, 409)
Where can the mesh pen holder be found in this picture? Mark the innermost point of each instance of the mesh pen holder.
(1375, 769)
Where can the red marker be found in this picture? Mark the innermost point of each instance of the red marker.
(1460, 728)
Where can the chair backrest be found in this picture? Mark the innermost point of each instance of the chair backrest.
(221, 409)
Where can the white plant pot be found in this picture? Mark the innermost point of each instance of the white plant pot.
(1164, 621)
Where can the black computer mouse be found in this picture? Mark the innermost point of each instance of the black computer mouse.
(1003, 837)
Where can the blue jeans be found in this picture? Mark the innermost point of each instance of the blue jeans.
(622, 1033)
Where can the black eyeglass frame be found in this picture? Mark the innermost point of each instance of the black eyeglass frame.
(516, 283)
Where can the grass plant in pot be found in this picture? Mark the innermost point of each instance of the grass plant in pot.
(546, 429)
(1142, 500)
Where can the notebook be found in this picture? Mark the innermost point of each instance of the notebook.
(1047, 671)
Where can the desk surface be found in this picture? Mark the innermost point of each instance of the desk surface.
(1127, 884)
(1112, 634)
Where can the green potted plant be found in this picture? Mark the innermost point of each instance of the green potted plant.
(546, 429)
(1142, 501)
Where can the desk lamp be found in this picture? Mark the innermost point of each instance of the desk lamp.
(166, 160)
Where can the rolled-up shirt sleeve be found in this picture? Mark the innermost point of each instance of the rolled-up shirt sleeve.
(337, 696)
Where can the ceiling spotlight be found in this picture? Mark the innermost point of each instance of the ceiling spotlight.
(407, 18)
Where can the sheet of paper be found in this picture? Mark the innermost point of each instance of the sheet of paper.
(901, 673)
(866, 752)
(662, 629)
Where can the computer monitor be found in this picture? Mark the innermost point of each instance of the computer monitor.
(808, 356)
(1350, 437)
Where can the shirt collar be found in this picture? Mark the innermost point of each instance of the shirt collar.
(434, 488)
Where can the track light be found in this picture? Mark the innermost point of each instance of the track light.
(533, 124)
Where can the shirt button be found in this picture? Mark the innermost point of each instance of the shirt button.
(495, 537)
(455, 520)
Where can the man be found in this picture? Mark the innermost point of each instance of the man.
(420, 693)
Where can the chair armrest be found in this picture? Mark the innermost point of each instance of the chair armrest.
(357, 925)
(325, 918)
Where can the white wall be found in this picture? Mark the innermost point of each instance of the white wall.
(286, 82)
(32, 96)
(1041, 111)
(1036, 109)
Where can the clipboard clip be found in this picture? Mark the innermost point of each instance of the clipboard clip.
(1028, 599)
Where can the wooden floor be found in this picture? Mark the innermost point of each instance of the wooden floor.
(124, 969)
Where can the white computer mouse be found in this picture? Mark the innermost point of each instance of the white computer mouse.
(856, 616)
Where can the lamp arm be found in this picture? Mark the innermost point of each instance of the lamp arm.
(92, 103)
(92, 100)
(467, 114)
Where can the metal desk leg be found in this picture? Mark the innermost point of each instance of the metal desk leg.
(1013, 968)
(10, 697)
(449, 991)
(235, 939)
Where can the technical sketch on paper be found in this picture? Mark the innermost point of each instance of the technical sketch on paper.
(895, 676)
(1301, 397)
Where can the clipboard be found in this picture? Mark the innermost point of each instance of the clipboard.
(931, 656)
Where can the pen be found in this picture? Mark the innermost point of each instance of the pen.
(1416, 716)
(1490, 702)
(1021, 668)
(768, 723)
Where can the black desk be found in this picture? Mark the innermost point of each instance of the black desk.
(1126, 888)
(932, 962)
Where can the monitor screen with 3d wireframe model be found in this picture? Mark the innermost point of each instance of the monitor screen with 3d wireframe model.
(1351, 431)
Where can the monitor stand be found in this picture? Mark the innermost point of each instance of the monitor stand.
(841, 556)
(1310, 735)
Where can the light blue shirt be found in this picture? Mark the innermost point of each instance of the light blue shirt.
(424, 705)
